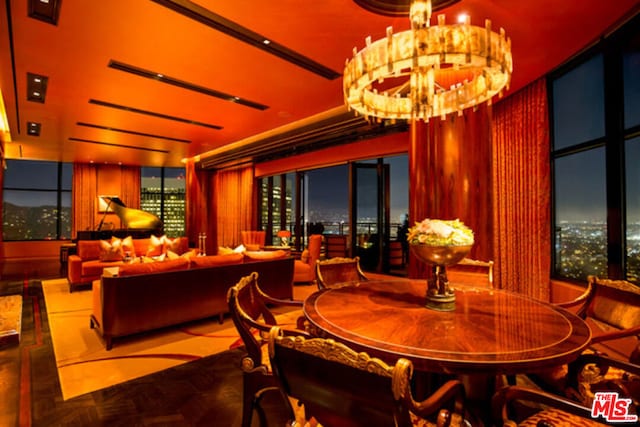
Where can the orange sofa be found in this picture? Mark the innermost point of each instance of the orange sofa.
(139, 299)
(88, 263)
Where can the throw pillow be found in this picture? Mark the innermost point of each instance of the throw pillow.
(304, 257)
(156, 246)
(179, 245)
(224, 250)
(262, 255)
(111, 251)
(213, 260)
(155, 267)
(127, 246)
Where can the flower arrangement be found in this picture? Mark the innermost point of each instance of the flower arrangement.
(439, 232)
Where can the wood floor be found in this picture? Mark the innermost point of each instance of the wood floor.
(206, 392)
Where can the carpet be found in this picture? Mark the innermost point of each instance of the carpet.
(84, 365)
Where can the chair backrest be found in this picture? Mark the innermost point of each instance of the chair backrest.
(314, 247)
(471, 271)
(340, 387)
(249, 312)
(253, 238)
(336, 245)
(614, 302)
(338, 271)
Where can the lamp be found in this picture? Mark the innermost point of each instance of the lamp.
(434, 70)
(284, 237)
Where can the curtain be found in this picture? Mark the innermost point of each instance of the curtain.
(130, 186)
(234, 204)
(199, 207)
(84, 198)
(521, 189)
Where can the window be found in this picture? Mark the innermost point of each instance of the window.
(37, 200)
(595, 116)
(162, 192)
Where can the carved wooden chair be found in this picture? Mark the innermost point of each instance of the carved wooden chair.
(471, 271)
(253, 320)
(612, 310)
(336, 245)
(522, 406)
(340, 387)
(338, 272)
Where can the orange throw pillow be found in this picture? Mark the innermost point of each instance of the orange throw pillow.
(262, 255)
(213, 260)
(153, 267)
(178, 245)
(156, 246)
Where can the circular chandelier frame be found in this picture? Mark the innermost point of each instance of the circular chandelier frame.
(422, 54)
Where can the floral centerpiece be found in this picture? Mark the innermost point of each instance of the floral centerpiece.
(440, 243)
(439, 232)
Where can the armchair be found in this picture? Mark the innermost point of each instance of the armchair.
(304, 269)
(249, 311)
(340, 387)
(338, 271)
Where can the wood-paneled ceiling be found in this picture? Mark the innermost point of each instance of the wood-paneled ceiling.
(105, 101)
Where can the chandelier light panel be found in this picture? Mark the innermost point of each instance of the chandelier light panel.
(428, 71)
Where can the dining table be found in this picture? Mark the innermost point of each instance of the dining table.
(489, 332)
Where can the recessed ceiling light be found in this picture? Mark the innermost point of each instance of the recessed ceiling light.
(33, 128)
(36, 87)
(45, 10)
(265, 41)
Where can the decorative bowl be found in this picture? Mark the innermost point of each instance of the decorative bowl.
(440, 255)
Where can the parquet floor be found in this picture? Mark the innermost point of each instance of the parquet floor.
(203, 393)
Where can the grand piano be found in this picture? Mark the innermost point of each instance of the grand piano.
(135, 222)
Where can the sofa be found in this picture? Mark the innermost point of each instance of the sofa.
(92, 256)
(143, 297)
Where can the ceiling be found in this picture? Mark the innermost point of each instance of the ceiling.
(99, 106)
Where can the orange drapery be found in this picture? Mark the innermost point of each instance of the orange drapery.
(199, 209)
(84, 198)
(130, 186)
(521, 192)
(234, 204)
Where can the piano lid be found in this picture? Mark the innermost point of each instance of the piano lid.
(133, 218)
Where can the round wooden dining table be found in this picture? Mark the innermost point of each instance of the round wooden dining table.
(489, 332)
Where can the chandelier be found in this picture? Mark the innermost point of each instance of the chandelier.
(427, 71)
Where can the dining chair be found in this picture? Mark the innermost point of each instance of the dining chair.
(253, 319)
(612, 310)
(338, 271)
(336, 245)
(591, 373)
(472, 272)
(521, 406)
(340, 387)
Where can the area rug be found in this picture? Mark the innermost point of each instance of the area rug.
(84, 365)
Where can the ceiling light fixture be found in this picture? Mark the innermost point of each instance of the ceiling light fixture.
(434, 70)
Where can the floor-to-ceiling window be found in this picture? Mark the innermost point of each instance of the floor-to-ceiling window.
(37, 200)
(162, 192)
(595, 116)
(318, 201)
